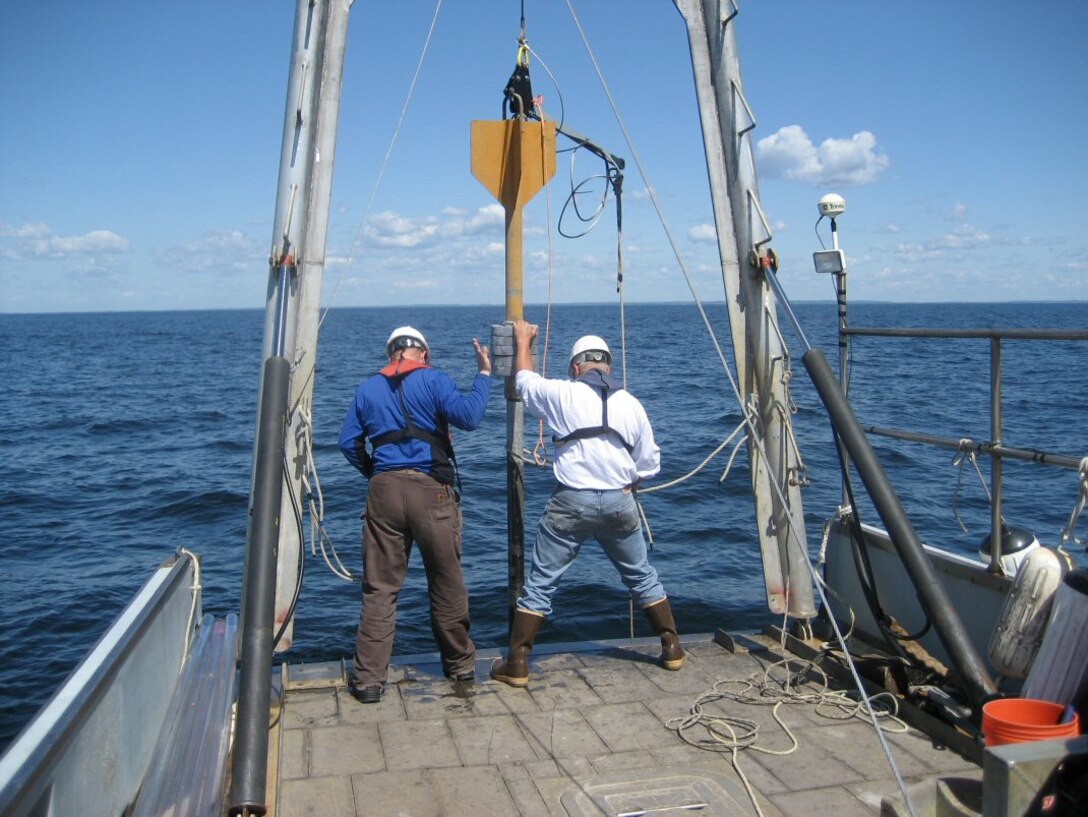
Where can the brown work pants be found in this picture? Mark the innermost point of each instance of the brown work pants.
(402, 507)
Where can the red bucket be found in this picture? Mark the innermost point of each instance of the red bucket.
(1018, 720)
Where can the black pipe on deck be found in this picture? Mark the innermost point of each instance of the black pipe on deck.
(971, 670)
(250, 766)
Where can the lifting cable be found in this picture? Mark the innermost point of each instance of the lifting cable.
(736, 391)
(520, 83)
(518, 101)
(319, 536)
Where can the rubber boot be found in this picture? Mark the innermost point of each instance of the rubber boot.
(515, 669)
(660, 615)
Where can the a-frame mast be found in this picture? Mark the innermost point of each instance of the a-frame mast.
(758, 349)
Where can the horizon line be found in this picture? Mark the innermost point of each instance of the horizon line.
(716, 302)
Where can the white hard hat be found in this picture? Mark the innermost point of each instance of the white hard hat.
(591, 349)
(404, 337)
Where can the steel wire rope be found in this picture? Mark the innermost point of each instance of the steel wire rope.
(539, 453)
(669, 236)
(381, 170)
(672, 242)
(755, 440)
(343, 573)
(732, 382)
(657, 208)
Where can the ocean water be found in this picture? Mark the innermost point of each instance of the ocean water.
(128, 435)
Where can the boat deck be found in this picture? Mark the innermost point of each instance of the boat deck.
(588, 736)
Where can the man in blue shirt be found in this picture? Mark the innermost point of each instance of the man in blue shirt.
(405, 412)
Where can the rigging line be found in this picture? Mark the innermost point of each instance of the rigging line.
(861, 690)
(319, 534)
(754, 435)
(732, 382)
(755, 438)
(958, 460)
(381, 171)
(196, 588)
(657, 207)
(540, 453)
(555, 84)
(619, 282)
(698, 467)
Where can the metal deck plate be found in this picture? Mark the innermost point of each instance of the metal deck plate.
(638, 795)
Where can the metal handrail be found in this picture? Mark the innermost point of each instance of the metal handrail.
(994, 447)
(1008, 452)
(1010, 334)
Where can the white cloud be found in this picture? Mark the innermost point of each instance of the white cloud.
(218, 251)
(36, 240)
(387, 229)
(790, 154)
(393, 231)
(703, 232)
(963, 237)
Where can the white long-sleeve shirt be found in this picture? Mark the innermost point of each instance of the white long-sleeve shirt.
(600, 463)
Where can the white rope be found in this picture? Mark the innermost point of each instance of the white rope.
(1069, 533)
(689, 475)
(196, 588)
(319, 535)
(728, 733)
(958, 460)
(701, 465)
(842, 513)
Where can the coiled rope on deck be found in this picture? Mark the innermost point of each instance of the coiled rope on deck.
(729, 733)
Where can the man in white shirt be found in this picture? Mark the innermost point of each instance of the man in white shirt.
(604, 446)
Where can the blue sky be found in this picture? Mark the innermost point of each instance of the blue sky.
(140, 146)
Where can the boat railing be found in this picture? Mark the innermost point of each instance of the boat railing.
(87, 750)
(995, 447)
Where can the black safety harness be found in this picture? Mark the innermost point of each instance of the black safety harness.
(443, 465)
(603, 386)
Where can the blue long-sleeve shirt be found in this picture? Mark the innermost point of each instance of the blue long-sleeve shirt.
(430, 397)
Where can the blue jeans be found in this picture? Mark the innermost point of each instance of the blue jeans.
(570, 518)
